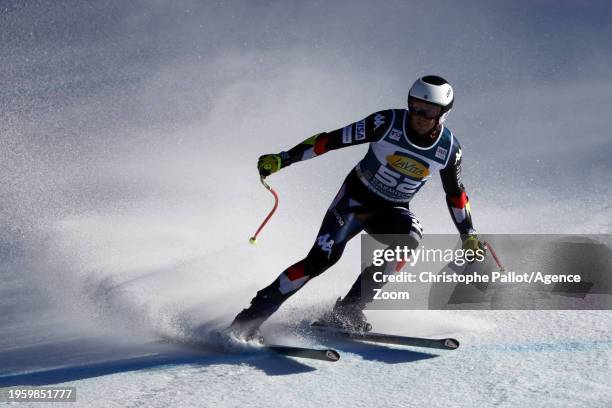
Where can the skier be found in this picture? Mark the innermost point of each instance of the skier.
(406, 147)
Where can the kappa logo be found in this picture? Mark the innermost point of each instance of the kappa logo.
(326, 244)
(360, 130)
(458, 156)
(378, 120)
(395, 134)
(441, 152)
(408, 166)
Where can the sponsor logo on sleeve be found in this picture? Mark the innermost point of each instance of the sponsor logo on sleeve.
(458, 156)
(346, 135)
(360, 130)
(441, 152)
(378, 120)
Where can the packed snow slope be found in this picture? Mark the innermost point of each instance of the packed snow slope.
(129, 133)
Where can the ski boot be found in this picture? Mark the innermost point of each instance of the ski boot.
(245, 328)
(345, 316)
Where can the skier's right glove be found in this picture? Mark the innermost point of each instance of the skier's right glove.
(271, 163)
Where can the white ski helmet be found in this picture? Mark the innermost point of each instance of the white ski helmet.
(436, 90)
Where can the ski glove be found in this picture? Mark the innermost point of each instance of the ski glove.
(471, 241)
(271, 163)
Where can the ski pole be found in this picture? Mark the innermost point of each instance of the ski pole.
(253, 239)
(497, 261)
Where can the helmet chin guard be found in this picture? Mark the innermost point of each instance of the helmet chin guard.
(435, 90)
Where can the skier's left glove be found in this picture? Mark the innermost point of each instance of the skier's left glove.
(472, 242)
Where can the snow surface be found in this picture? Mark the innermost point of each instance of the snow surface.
(502, 361)
(129, 133)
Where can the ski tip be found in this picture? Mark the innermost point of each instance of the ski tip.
(451, 344)
(332, 355)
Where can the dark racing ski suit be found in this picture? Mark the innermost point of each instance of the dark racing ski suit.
(373, 198)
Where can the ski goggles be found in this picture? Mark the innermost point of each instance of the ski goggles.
(426, 111)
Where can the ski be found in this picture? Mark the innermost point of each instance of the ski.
(304, 352)
(258, 344)
(444, 344)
